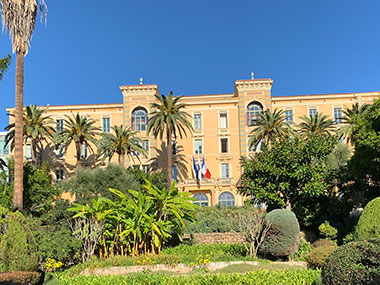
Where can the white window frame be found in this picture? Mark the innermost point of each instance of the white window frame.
(201, 119)
(219, 119)
(56, 124)
(312, 108)
(289, 110)
(202, 203)
(219, 201)
(56, 176)
(109, 127)
(228, 168)
(195, 146)
(341, 114)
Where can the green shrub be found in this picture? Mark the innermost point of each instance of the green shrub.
(17, 245)
(317, 257)
(283, 235)
(368, 227)
(327, 231)
(20, 278)
(236, 250)
(262, 277)
(304, 248)
(323, 243)
(353, 263)
(217, 219)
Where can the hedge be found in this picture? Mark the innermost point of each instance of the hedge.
(20, 277)
(368, 227)
(262, 277)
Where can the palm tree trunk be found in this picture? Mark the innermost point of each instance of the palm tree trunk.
(19, 159)
(169, 144)
(78, 147)
(34, 152)
(121, 159)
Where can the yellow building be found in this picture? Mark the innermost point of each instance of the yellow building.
(222, 124)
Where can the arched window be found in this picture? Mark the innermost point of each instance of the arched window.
(201, 199)
(226, 199)
(254, 109)
(139, 119)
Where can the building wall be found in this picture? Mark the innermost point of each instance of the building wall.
(210, 107)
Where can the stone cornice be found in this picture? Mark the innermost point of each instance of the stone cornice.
(139, 89)
(256, 84)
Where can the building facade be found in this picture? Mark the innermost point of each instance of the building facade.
(222, 126)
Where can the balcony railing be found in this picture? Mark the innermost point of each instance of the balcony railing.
(205, 181)
(225, 181)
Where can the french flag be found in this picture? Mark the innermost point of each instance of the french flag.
(204, 170)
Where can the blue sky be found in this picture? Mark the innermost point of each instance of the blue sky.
(89, 48)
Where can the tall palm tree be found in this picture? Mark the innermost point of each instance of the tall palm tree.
(350, 117)
(37, 129)
(79, 130)
(123, 142)
(269, 126)
(168, 118)
(19, 18)
(318, 123)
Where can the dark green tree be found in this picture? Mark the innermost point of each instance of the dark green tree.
(316, 124)
(288, 172)
(364, 166)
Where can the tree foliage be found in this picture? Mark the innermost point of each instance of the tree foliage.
(269, 126)
(288, 172)
(316, 124)
(367, 228)
(4, 65)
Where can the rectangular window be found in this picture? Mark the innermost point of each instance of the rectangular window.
(145, 145)
(28, 151)
(197, 121)
(106, 125)
(289, 116)
(3, 149)
(312, 112)
(225, 170)
(174, 172)
(58, 153)
(223, 120)
(174, 147)
(59, 125)
(224, 145)
(198, 146)
(338, 115)
(59, 174)
(83, 151)
(145, 168)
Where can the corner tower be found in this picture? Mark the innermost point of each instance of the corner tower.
(253, 95)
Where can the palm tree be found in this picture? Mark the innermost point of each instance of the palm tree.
(4, 65)
(318, 123)
(350, 117)
(37, 129)
(79, 130)
(19, 18)
(269, 126)
(168, 118)
(123, 142)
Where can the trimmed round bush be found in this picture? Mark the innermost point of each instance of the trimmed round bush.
(323, 243)
(353, 263)
(317, 257)
(368, 226)
(283, 236)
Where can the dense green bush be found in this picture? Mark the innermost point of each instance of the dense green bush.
(20, 278)
(353, 263)
(283, 236)
(323, 243)
(17, 245)
(368, 226)
(304, 248)
(262, 277)
(87, 183)
(217, 219)
(316, 258)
